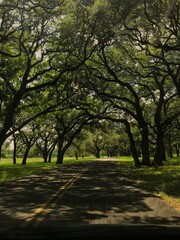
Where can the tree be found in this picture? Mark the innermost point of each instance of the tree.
(155, 54)
(28, 137)
(78, 145)
(69, 124)
(37, 49)
(47, 137)
(112, 143)
(159, 33)
(116, 86)
(132, 61)
(16, 144)
(96, 142)
(91, 60)
(172, 139)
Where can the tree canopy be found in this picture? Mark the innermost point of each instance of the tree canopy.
(84, 62)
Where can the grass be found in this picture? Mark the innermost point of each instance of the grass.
(9, 171)
(163, 181)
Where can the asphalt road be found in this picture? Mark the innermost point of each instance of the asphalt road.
(82, 200)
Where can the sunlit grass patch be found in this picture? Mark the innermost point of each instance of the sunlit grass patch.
(174, 201)
(9, 171)
(165, 179)
(70, 160)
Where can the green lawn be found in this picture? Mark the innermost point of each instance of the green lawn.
(163, 181)
(8, 171)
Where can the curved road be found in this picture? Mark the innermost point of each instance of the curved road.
(92, 199)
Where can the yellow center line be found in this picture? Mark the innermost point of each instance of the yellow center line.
(51, 202)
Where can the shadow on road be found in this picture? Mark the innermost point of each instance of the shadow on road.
(101, 196)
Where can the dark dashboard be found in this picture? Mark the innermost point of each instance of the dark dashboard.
(87, 232)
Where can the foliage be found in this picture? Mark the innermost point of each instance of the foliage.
(79, 62)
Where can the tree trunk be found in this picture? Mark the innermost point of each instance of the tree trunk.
(62, 149)
(50, 156)
(159, 156)
(0, 151)
(14, 153)
(45, 156)
(8, 122)
(145, 146)
(60, 157)
(177, 149)
(25, 155)
(51, 151)
(170, 152)
(2, 140)
(97, 152)
(15, 149)
(132, 145)
(61, 152)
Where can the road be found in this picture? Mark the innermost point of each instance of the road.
(88, 196)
